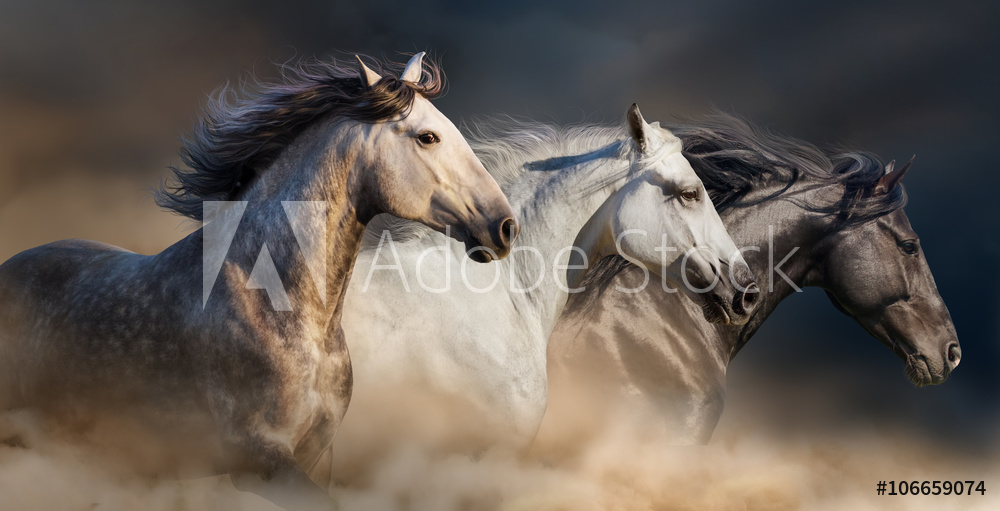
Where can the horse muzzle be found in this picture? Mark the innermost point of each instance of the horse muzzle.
(724, 300)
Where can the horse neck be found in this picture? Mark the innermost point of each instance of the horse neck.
(778, 227)
(557, 209)
(315, 171)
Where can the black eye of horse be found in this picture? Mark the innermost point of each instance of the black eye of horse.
(689, 195)
(428, 138)
(910, 247)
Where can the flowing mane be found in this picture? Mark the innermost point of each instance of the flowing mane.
(511, 147)
(733, 157)
(245, 128)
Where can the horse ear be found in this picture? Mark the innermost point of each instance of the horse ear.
(638, 127)
(892, 177)
(368, 77)
(414, 68)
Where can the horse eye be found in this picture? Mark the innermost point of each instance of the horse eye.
(428, 138)
(689, 195)
(910, 247)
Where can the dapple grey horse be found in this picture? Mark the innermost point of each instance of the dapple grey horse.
(227, 346)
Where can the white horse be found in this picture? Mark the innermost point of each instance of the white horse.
(420, 320)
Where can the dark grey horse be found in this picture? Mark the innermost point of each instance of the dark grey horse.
(654, 354)
(226, 348)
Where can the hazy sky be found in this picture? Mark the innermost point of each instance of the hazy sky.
(100, 92)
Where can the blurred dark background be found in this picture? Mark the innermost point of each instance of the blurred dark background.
(94, 97)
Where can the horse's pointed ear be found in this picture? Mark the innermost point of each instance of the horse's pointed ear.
(368, 77)
(892, 177)
(638, 127)
(414, 68)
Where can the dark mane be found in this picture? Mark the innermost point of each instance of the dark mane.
(733, 157)
(244, 129)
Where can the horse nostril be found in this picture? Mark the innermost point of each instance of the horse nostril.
(954, 354)
(480, 256)
(745, 300)
(509, 231)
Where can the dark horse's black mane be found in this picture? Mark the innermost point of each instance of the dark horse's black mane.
(733, 157)
(244, 129)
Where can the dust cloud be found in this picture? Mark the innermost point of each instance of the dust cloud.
(743, 468)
